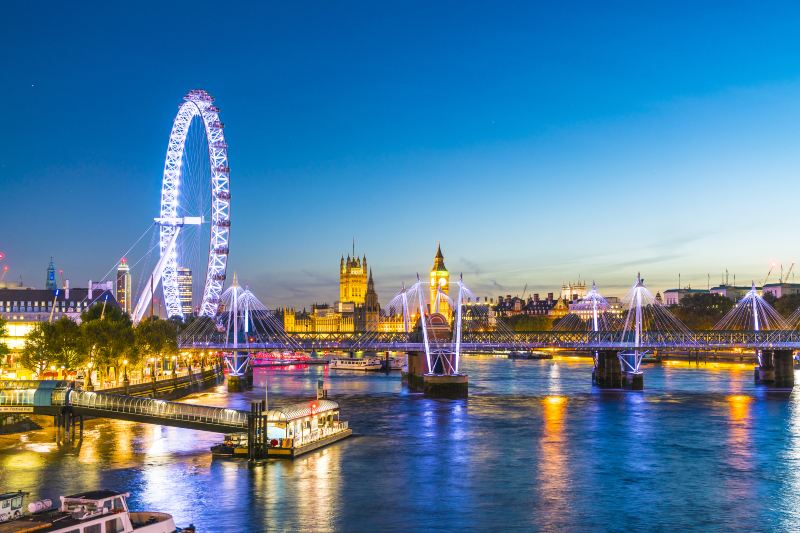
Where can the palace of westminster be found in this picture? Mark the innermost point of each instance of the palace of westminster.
(358, 308)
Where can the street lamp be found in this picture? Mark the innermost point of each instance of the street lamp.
(174, 365)
(89, 385)
(125, 372)
(152, 368)
(63, 372)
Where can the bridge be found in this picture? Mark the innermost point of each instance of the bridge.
(59, 398)
(538, 340)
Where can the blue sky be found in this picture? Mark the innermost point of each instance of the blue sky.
(538, 143)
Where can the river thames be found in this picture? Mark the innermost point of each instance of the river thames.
(535, 447)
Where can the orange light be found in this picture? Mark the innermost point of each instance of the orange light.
(555, 400)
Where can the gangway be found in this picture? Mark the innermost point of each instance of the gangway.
(51, 397)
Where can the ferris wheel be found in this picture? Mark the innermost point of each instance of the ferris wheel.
(175, 215)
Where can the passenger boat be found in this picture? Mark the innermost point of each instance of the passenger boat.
(98, 511)
(354, 363)
(292, 431)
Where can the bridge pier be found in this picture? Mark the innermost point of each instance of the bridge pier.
(776, 368)
(607, 372)
(445, 386)
(66, 423)
(417, 368)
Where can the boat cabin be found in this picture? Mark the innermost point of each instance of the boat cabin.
(11, 505)
(301, 423)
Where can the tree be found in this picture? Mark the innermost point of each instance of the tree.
(522, 323)
(702, 310)
(155, 337)
(108, 334)
(786, 305)
(36, 355)
(68, 348)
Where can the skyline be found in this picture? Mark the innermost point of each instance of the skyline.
(559, 154)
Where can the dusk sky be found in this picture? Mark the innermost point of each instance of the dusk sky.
(539, 142)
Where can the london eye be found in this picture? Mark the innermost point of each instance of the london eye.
(194, 215)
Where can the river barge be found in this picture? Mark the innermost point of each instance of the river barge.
(292, 431)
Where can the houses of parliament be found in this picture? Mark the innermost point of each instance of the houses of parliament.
(358, 308)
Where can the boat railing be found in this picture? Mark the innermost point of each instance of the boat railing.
(321, 433)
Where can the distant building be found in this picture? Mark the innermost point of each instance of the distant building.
(440, 281)
(185, 291)
(731, 292)
(357, 309)
(124, 285)
(50, 281)
(780, 289)
(674, 296)
(23, 308)
(573, 291)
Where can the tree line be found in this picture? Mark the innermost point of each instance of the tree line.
(106, 337)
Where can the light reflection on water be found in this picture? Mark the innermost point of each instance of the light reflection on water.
(534, 447)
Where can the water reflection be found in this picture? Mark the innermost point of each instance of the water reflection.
(534, 448)
(553, 469)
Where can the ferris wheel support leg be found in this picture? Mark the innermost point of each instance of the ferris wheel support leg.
(155, 279)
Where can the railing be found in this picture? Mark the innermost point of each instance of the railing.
(320, 433)
(17, 397)
(158, 409)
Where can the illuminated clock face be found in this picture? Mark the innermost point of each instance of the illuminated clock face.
(442, 282)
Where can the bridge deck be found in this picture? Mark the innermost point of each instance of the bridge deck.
(50, 397)
(476, 342)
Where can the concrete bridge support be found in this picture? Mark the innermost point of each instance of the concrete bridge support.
(776, 368)
(607, 373)
(417, 368)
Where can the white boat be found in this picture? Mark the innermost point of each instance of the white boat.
(354, 363)
(397, 363)
(95, 511)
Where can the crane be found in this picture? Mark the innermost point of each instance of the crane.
(771, 267)
(788, 273)
(524, 290)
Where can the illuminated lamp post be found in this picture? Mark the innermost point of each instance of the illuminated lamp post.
(174, 366)
(89, 385)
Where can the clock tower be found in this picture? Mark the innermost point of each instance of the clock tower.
(440, 280)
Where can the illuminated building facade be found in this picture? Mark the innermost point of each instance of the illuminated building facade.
(440, 281)
(573, 291)
(124, 285)
(358, 307)
(185, 291)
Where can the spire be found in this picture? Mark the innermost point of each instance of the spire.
(438, 260)
(50, 282)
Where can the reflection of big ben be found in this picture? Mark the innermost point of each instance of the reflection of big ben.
(440, 280)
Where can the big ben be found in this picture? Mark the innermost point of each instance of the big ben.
(440, 281)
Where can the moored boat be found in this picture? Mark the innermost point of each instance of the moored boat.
(355, 363)
(98, 510)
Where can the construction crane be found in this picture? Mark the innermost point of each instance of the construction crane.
(788, 273)
(5, 271)
(524, 290)
(771, 267)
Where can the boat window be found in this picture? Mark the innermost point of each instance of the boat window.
(6, 504)
(118, 504)
(94, 528)
(73, 531)
(114, 526)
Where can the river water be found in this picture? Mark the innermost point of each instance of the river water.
(535, 447)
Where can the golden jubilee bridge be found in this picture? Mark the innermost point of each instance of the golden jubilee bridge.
(618, 340)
